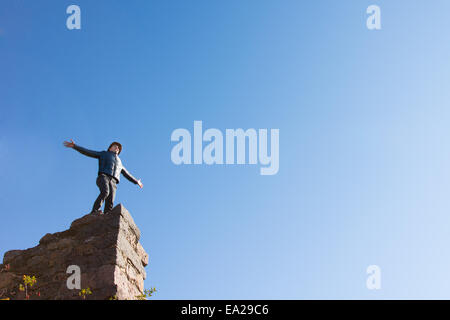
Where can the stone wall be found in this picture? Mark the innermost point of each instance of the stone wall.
(105, 247)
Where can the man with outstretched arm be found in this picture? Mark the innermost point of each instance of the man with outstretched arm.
(109, 169)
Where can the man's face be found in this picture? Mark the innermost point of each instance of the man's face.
(114, 148)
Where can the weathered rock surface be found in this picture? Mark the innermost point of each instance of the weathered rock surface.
(106, 248)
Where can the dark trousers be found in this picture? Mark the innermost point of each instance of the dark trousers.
(108, 187)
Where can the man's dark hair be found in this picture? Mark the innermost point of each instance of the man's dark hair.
(117, 144)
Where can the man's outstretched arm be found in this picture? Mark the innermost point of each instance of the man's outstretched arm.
(132, 179)
(86, 152)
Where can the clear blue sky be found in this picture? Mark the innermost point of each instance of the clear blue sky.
(363, 116)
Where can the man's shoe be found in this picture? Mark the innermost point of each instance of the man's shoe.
(99, 212)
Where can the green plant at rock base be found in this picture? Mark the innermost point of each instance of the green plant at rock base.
(85, 292)
(28, 282)
(114, 297)
(146, 294)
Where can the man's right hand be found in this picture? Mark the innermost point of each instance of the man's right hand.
(70, 144)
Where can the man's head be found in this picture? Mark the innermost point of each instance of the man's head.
(115, 147)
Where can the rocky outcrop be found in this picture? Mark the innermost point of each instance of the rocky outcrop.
(106, 249)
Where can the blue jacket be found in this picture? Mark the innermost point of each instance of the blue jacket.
(108, 163)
